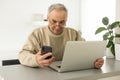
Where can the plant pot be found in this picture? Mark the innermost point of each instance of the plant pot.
(109, 53)
(117, 51)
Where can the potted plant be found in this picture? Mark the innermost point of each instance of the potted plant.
(109, 34)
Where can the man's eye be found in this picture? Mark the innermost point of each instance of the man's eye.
(54, 21)
(61, 22)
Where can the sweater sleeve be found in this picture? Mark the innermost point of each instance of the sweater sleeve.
(30, 48)
(28, 59)
(79, 37)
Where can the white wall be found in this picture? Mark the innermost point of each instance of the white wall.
(117, 9)
(117, 15)
(16, 21)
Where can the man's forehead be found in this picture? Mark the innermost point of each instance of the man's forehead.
(57, 16)
(57, 13)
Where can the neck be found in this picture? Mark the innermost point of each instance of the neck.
(54, 33)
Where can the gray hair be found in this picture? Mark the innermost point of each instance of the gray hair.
(57, 6)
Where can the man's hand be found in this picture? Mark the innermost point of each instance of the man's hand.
(42, 61)
(99, 63)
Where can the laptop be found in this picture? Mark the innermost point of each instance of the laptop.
(79, 55)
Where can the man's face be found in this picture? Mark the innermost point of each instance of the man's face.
(57, 21)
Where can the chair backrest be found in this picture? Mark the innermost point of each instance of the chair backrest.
(10, 62)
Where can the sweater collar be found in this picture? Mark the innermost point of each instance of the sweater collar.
(52, 34)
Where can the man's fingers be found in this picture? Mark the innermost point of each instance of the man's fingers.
(46, 55)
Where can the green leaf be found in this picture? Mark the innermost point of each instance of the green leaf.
(109, 44)
(114, 24)
(113, 49)
(117, 35)
(105, 36)
(119, 25)
(110, 31)
(105, 21)
(111, 38)
(109, 27)
(100, 29)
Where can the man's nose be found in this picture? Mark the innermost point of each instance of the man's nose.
(57, 23)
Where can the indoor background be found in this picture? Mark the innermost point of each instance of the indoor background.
(19, 17)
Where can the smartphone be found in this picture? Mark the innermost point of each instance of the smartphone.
(46, 49)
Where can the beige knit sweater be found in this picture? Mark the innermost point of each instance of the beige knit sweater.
(43, 36)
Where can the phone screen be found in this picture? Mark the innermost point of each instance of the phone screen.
(46, 49)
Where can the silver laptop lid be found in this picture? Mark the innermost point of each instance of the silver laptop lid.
(81, 54)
